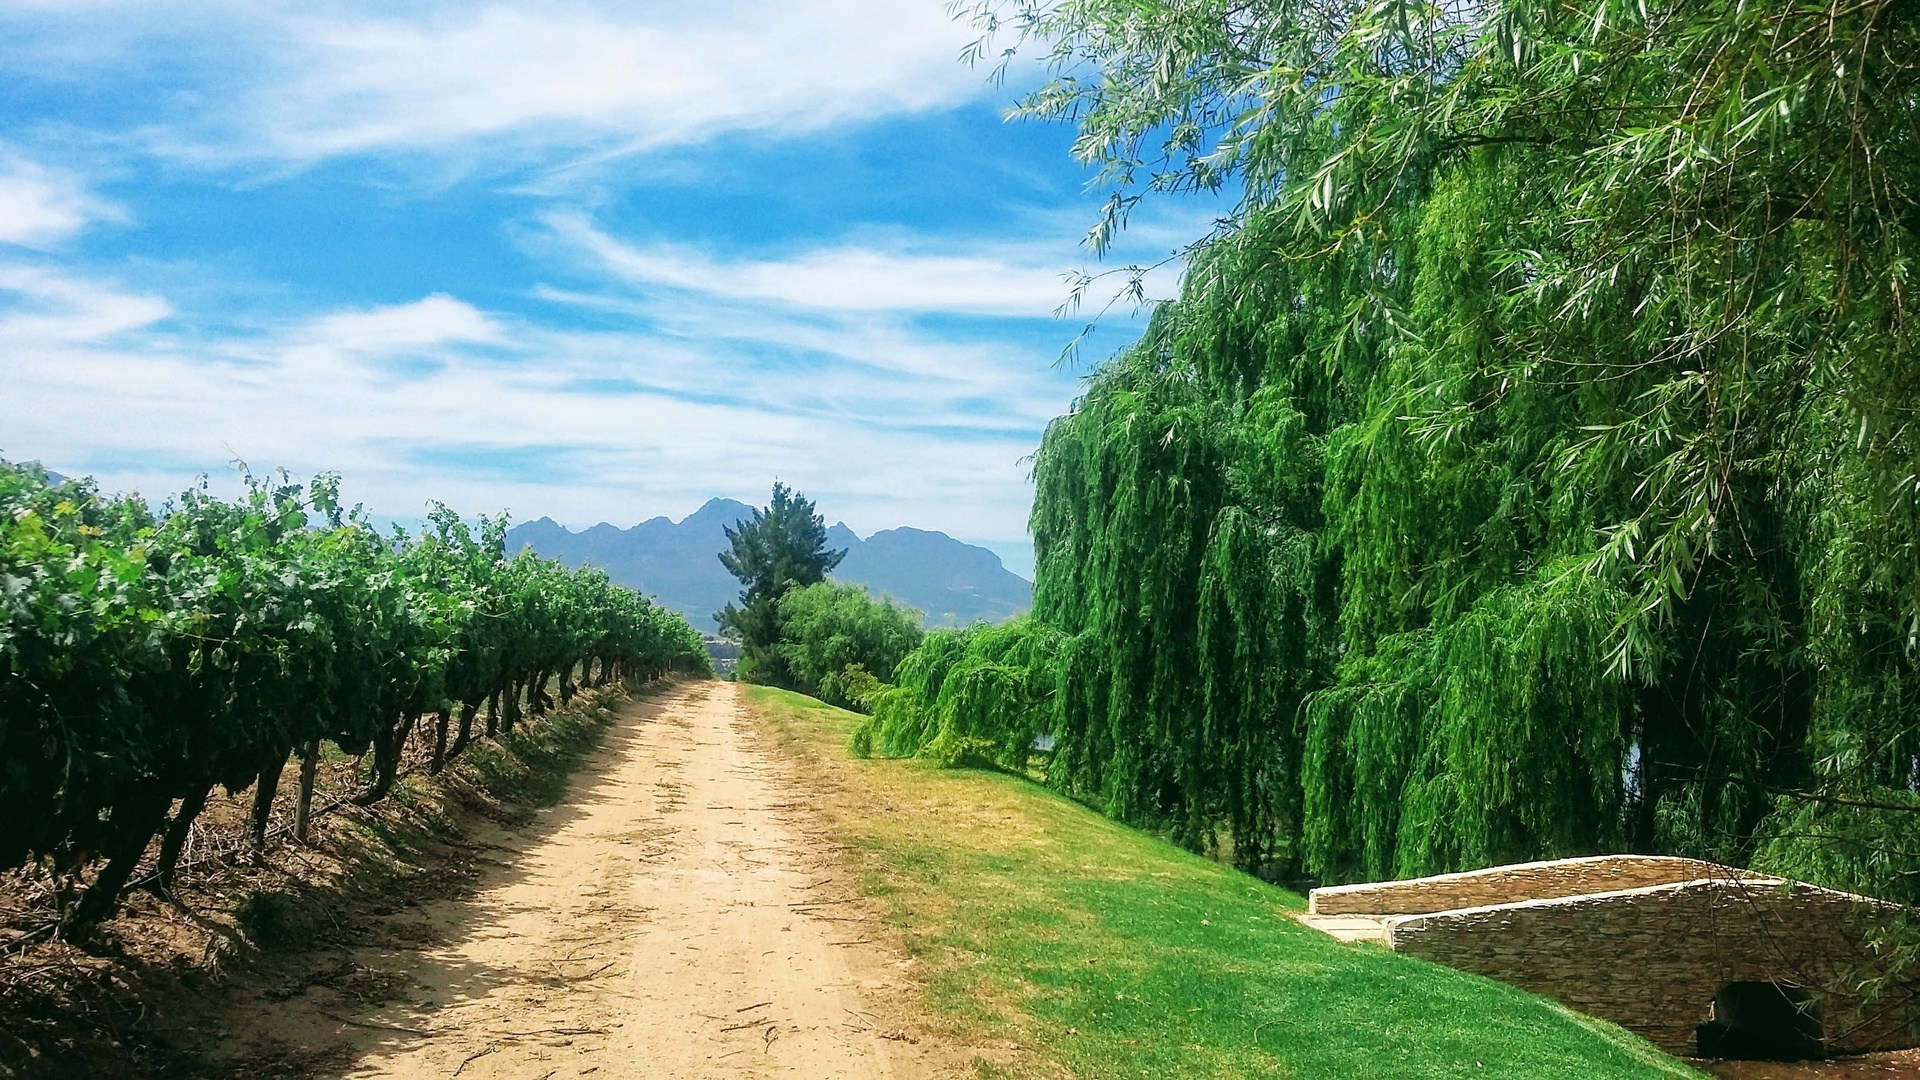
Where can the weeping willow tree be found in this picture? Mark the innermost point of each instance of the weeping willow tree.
(977, 696)
(1529, 467)
(1174, 531)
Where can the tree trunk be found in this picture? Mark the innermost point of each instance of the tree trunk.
(303, 801)
(566, 683)
(1645, 807)
(386, 758)
(142, 814)
(536, 693)
(176, 839)
(465, 735)
(444, 717)
(493, 715)
(1659, 713)
(264, 790)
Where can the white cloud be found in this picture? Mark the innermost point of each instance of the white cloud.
(436, 320)
(885, 426)
(845, 278)
(297, 83)
(653, 75)
(40, 307)
(40, 206)
(699, 375)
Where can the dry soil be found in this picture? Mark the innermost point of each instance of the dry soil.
(674, 917)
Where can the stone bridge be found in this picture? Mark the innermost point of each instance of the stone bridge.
(1694, 956)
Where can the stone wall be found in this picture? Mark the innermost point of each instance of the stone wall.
(1509, 884)
(1651, 959)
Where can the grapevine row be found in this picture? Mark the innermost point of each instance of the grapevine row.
(151, 657)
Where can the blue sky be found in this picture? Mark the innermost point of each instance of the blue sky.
(585, 261)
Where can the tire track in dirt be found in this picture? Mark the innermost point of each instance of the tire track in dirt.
(672, 919)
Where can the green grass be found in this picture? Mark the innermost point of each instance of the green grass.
(1101, 951)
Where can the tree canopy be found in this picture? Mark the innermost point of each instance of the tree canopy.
(837, 640)
(780, 547)
(1528, 466)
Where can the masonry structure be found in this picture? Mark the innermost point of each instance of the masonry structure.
(1671, 949)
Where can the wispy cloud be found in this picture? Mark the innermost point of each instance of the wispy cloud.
(1016, 282)
(436, 320)
(892, 359)
(297, 83)
(642, 419)
(40, 207)
(649, 75)
(41, 307)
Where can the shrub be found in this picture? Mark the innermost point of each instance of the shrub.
(837, 641)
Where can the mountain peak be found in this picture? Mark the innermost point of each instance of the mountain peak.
(950, 582)
(727, 511)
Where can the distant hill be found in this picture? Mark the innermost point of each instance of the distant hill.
(950, 582)
(52, 478)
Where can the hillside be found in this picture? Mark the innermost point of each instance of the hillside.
(951, 582)
(1057, 943)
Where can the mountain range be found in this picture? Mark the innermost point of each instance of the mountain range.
(678, 564)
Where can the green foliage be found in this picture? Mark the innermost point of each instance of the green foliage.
(781, 547)
(1527, 467)
(828, 631)
(978, 696)
(150, 657)
(1173, 530)
(861, 686)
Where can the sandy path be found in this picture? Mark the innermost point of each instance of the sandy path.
(672, 919)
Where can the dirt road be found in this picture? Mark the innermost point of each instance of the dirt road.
(671, 919)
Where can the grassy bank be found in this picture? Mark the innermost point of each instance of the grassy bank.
(1086, 947)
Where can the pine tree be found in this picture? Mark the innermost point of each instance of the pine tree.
(779, 548)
